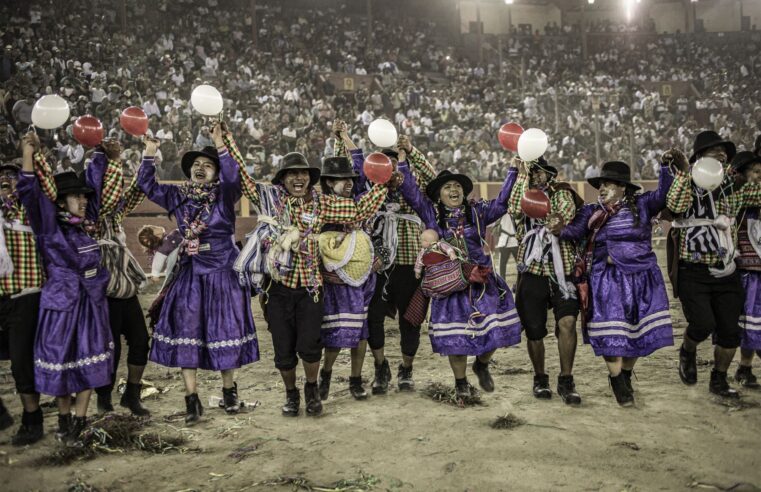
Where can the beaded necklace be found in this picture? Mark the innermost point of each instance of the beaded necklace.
(203, 197)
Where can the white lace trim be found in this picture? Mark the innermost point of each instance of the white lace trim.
(200, 343)
(87, 361)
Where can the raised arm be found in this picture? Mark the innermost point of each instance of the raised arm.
(164, 195)
(656, 200)
(419, 165)
(497, 207)
(415, 198)
(45, 175)
(247, 182)
(749, 195)
(41, 210)
(519, 189)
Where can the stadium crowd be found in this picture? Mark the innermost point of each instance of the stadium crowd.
(278, 98)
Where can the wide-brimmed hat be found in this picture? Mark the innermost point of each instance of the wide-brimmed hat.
(432, 190)
(542, 164)
(189, 157)
(295, 161)
(12, 165)
(757, 145)
(739, 163)
(68, 183)
(707, 139)
(616, 171)
(337, 167)
(390, 153)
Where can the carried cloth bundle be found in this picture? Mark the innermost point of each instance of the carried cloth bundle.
(347, 255)
(6, 263)
(723, 243)
(385, 233)
(259, 258)
(127, 275)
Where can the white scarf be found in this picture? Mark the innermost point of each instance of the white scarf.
(6, 262)
(536, 241)
(754, 235)
(388, 228)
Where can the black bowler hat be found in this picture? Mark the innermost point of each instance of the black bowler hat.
(390, 153)
(10, 165)
(432, 190)
(189, 157)
(707, 139)
(295, 161)
(337, 167)
(68, 183)
(742, 160)
(616, 171)
(542, 164)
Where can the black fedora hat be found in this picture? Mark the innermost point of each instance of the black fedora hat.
(432, 190)
(68, 183)
(189, 157)
(10, 165)
(741, 161)
(337, 167)
(616, 171)
(543, 165)
(707, 139)
(390, 153)
(294, 161)
(757, 146)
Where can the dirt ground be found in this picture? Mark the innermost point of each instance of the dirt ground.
(676, 437)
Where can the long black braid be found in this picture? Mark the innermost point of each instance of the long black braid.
(630, 200)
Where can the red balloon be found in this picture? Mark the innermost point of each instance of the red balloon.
(134, 121)
(508, 136)
(88, 130)
(378, 168)
(535, 204)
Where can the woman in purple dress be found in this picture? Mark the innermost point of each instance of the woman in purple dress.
(482, 318)
(628, 314)
(205, 320)
(73, 350)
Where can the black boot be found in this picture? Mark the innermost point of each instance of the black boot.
(193, 409)
(542, 387)
(623, 396)
(567, 390)
(292, 402)
(688, 366)
(627, 373)
(72, 438)
(312, 398)
(325, 383)
(104, 400)
(382, 378)
(6, 420)
(64, 424)
(463, 389)
(720, 386)
(746, 378)
(230, 399)
(356, 389)
(485, 380)
(31, 429)
(131, 400)
(404, 378)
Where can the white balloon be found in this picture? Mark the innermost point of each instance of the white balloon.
(50, 111)
(207, 100)
(532, 144)
(382, 133)
(707, 173)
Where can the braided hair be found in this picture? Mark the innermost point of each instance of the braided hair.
(441, 214)
(630, 201)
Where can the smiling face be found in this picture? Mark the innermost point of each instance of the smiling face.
(75, 204)
(203, 170)
(8, 180)
(611, 192)
(452, 194)
(341, 187)
(296, 182)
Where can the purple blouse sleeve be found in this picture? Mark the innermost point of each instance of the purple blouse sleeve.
(415, 198)
(494, 209)
(578, 228)
(166, 196)
(40, 210)
(655, 201)
(229, 182)
(94, 175)
(357, 163)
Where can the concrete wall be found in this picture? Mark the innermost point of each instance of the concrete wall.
(495, 16)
